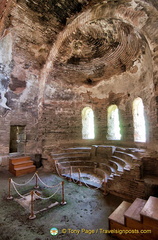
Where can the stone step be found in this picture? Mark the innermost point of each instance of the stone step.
(78, 149)
(69, 157)
(126, 156)
(76, 163)
(135, 151)
(118, 160)
(118, 215)
(119, 156)
(107, 167)
(78, 167)
(121, 149)
(119, 168)
(132, 215)
(66, 170)
(113, 165)
(102, 173)
(71, 154)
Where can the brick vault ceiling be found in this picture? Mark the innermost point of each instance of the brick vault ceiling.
(95, 50)
(98, 50)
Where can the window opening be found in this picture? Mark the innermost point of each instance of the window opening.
(113, 123)
(87, 123)
(139, 121)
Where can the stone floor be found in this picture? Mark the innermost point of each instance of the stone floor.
(83, 217)
(88, 179)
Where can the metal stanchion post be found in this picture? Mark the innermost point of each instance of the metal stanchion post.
(63, 197)
(36, 186)
(56, 167)
(70, 180)
(79, 176)
(32, 215)
(105, 192)
(9, 195)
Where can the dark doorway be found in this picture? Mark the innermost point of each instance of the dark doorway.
(17, 138)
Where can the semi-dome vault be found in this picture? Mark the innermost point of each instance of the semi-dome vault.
(98, 50)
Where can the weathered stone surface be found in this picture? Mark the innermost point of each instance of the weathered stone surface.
(100, 152)
(57, 57)
(4, 162)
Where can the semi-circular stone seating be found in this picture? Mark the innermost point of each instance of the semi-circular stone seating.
(127, 158)
(102, 173)
(110, 163)
(118, 160)
(118, 167)
(105, 171)
(130, 158)
(77, 149)
(70, 156)
(75, 165)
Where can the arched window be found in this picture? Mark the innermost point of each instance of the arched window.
(87, 123)
(113, 123)
(139, 121)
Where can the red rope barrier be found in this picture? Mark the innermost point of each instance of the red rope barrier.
(79, 176)
(105, 192)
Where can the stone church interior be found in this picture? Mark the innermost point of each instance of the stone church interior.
(79, 109)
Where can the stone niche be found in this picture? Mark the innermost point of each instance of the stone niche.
(99, 152)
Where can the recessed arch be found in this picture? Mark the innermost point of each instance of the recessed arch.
(87, 123)
(113, 121)
(139, 120)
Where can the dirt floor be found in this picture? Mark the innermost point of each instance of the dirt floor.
(84, 217)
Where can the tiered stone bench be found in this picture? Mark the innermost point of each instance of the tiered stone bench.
(118, 160)
(118, 167)
(77, 158)
(75, 165)
(126, 158)
(105, 170)
(71, 156)
(112, 164)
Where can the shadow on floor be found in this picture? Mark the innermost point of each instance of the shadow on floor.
(85, 216)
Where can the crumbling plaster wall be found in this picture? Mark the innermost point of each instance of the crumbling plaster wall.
(27, 33)
(78, 85)
(23, 51)
(57, 57)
